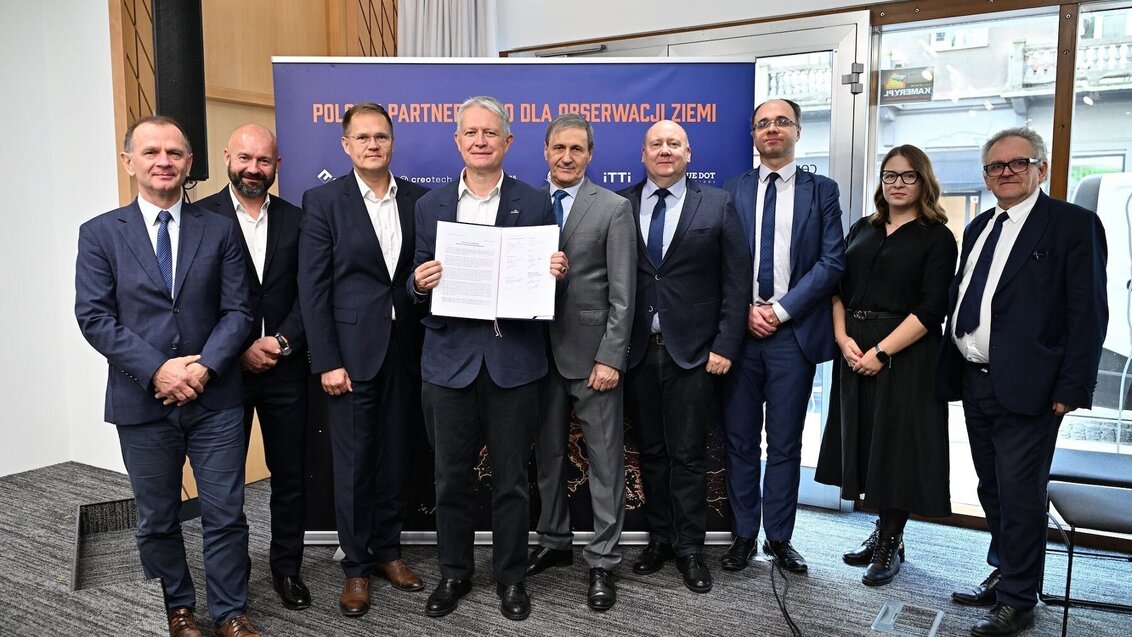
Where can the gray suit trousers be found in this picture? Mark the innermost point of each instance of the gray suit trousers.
(602, 418)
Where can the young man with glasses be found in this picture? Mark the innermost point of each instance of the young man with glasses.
(364, 335)
(792, 221)
(1028, 314)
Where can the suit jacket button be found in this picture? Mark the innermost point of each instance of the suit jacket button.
(174, 348)
(657, 277)
(176, 310)
(651, 310)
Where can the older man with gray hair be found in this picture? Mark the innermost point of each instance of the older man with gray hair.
(590, 345)
(480, 377)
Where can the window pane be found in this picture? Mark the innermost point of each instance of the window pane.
(947, 88)
(1099, 179)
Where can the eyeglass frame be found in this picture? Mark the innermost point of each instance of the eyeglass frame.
(916, 177)
(990, 171)
(381, 138)
(779, 122)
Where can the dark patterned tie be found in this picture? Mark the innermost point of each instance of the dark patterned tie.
(656, 228)
(559, 212)
(968, 318)
(766, 242)
(165, 250)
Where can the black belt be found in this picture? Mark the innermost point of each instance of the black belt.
(983, 368)
(867, 315)
(657, 339)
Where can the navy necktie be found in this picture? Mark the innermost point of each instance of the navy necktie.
(656, 228)
(165, 250)
(968, 318)
(559, 212)
(766, 241)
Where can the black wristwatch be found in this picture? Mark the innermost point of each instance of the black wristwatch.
(882, 355)
(284, 346)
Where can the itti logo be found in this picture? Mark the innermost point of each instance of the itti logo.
(325, 176)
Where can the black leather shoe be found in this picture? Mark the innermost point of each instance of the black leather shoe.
(603, 592)
(886, 561)
(862, 555)
(292, 591)
(1003, 620)
(544, 557)
(697, 577)
(514, 602)
(985, 594)
(783, 553)
(446, 596)
(739, 555)
(653, 558)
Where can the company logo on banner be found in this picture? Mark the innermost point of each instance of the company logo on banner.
(906, 85)
(711, 100)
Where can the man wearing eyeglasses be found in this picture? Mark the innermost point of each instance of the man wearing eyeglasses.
(363, 333)
(792, 222)
(1028, 315)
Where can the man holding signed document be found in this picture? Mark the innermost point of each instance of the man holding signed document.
(480, 376)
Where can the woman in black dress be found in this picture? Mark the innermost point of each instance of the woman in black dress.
(887, 434)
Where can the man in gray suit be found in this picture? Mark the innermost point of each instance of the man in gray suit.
(589, 342)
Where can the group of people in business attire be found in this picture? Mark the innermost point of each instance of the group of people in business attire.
(688, 305)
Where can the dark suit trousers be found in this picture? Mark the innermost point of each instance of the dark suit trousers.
(154, 454)
(771, 372)
(282, 409)
(1012, 454)
(602, 419)
(369, 433)
(460, 422)
(672, 409)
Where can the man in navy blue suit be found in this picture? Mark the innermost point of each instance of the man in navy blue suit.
(1029, 311)
(274, 357)
(693, 273)
(363, 332)
(481, 377)
(161, 292)
(792, 223)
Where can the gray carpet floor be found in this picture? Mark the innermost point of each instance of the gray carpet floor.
(37, 522)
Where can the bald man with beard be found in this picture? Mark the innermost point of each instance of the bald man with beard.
(273, 357)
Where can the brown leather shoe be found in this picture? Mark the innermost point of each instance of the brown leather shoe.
(354, 600)
(183, 624)
(238, 626)
(400, 575)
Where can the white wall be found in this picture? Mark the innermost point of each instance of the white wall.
(57, 170)
(524, 23)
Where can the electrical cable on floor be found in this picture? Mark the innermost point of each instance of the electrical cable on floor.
(774, 566)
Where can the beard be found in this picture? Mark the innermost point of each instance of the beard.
(253, 190)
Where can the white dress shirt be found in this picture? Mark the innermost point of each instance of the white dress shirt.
(383, 215)
(472, 209)
(149, 213)
(783, 227)
(975, 346)
(254, 231)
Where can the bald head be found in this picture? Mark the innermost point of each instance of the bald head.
(666, 153)
(252, 159)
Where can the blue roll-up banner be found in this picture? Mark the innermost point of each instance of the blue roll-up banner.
(621, 98)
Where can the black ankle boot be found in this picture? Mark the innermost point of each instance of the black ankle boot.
(887, 556)
(862, 555)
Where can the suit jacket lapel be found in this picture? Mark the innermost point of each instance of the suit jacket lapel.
(274, 229)
(803, 206)
(405, 214)
(642, 250)
(1032, 230)
(137, 238)
(688, 212)
(582, 203)
(355, 207)
(746, 196)
(222, 202)
(192, 229)
(509, 204)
